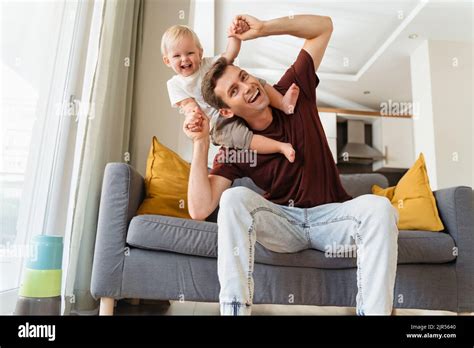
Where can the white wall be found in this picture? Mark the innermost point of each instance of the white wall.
(452, 87)
(423, 124)
(442, 82)
(152, 113)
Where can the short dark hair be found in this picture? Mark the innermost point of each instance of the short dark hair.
(209, 84)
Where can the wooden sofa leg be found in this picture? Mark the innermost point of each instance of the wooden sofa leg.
(106, 306)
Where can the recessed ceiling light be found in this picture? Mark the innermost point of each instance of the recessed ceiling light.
(366, 92)
(412, 36)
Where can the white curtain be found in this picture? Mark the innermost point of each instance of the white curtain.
(103, 136)
(38, 41)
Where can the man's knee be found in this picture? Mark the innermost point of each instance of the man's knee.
(235, 205)
(236, 196)
(379, 207)
(386, 209)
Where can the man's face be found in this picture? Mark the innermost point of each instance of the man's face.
(242, 92)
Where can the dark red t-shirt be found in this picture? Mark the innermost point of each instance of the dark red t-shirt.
(313, 179)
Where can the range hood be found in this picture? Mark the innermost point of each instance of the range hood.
(356, 151)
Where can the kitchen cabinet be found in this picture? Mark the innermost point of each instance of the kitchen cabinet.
(393, 136)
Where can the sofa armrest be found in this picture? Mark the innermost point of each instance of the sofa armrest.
(455, 207)
(123, 190)
(455, 210)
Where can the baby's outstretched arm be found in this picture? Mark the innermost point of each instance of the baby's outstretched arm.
(232, 50)
(233, 43)
(285, 103)
(185, 104)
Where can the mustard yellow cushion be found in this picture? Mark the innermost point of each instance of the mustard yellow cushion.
(413, 198)
(166, 183)
(388, 192)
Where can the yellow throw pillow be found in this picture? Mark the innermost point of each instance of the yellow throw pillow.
(413, 198)
(388, 192)
(166, 183)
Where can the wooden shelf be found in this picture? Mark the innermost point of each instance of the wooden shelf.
(358, 112)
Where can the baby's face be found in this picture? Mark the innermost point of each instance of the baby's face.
(183, 56)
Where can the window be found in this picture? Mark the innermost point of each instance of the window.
(37, 46)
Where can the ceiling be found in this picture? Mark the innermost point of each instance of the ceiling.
(369, 49)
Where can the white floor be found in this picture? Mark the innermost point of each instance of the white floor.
(203, 308)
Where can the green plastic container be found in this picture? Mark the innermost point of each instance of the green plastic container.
(40, 288)
(40, 283)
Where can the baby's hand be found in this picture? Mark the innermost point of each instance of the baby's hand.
(241, 26)
(237, 27)
(192, 130)
(194, 119)
(231, 31)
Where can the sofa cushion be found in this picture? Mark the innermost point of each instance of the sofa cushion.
(199, 238)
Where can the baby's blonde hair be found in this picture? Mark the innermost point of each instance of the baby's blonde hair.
(176, 32)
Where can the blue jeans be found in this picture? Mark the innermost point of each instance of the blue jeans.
(367, 223)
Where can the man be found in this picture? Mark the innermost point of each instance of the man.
(305, 205)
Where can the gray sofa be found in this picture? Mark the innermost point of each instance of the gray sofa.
(166, 258)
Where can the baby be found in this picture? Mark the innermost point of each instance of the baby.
(182, 51)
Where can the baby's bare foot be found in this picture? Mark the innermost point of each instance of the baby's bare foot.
(290, 98)
(288, 151)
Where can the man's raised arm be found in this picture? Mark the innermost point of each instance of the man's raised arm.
(315, 29)
(204, 191)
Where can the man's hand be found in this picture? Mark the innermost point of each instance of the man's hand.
(247, 27)
(315, 29)
(196, 124)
